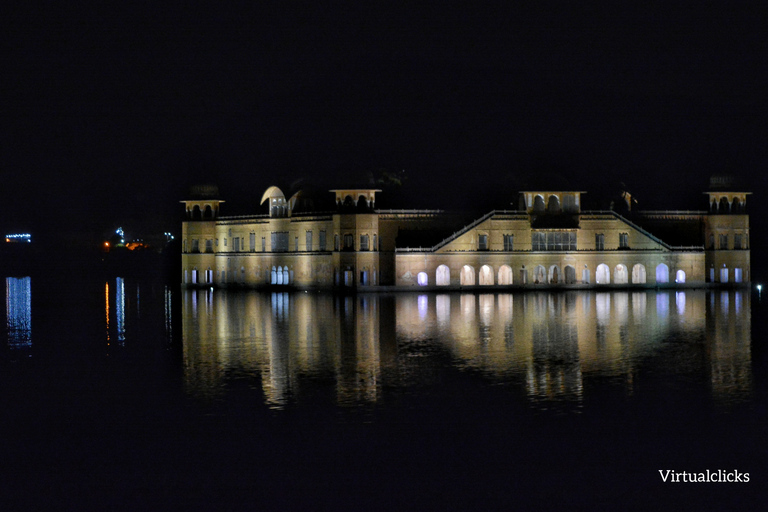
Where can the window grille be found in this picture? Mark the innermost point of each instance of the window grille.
(553, 240)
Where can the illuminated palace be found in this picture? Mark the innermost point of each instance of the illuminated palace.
(547, 241)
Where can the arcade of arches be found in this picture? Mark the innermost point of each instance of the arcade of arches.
(620, 274)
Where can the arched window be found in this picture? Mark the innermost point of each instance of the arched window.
(736, 205)
(638, 274)
(286, 276)
(279, 275)
(620, 274)
(737, 275)
(603, 274)
(680, 276)
(539, 275)
(725, 207)
(585, 276)
(422, 279)
(662, 273)
(570, 274)
(194, 276)
(724, 275)
(486, 275)
(554, 274)
(467, 277)
(553, 204)
(538, 204)
(713, 208)
(443, 276)
(505, 274)
(569, 204)
(273, 280)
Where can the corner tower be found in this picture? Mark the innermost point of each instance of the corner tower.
(726, 233)
(198, 235)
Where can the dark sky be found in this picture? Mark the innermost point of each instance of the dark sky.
(109, 114)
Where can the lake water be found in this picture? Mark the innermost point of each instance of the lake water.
(134, 394)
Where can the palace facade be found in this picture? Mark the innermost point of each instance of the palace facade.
(548, 241)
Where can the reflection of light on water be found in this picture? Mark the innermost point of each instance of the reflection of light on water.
(18, 307)
(549, 344)
(505, 303)
(120, 309)
(423, 302)
(468, 306)
(724, 305)
(168, 313)
(680, 303)
(639, 300)
(443, 309)
(662, 305)
(486, 308)
(603, 307)
(730, 362)
(279, 305)
(622, 307)
(106, 308)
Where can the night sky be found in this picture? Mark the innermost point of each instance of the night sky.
(110, 114)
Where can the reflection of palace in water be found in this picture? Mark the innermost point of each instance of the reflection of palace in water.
(548, 343)
(280, 338)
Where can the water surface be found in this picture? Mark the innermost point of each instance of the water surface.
(133, 394)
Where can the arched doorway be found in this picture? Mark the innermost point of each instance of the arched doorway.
(603, 274)
(443, 276)
(638, 274)
(570, 274)
(505, 274)
(554, 274)
(467, 276)
(539, 275)
(662, 273)
(680, 277)
(486, 275)
(585, 277)
(620, 275)
(422, 279)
